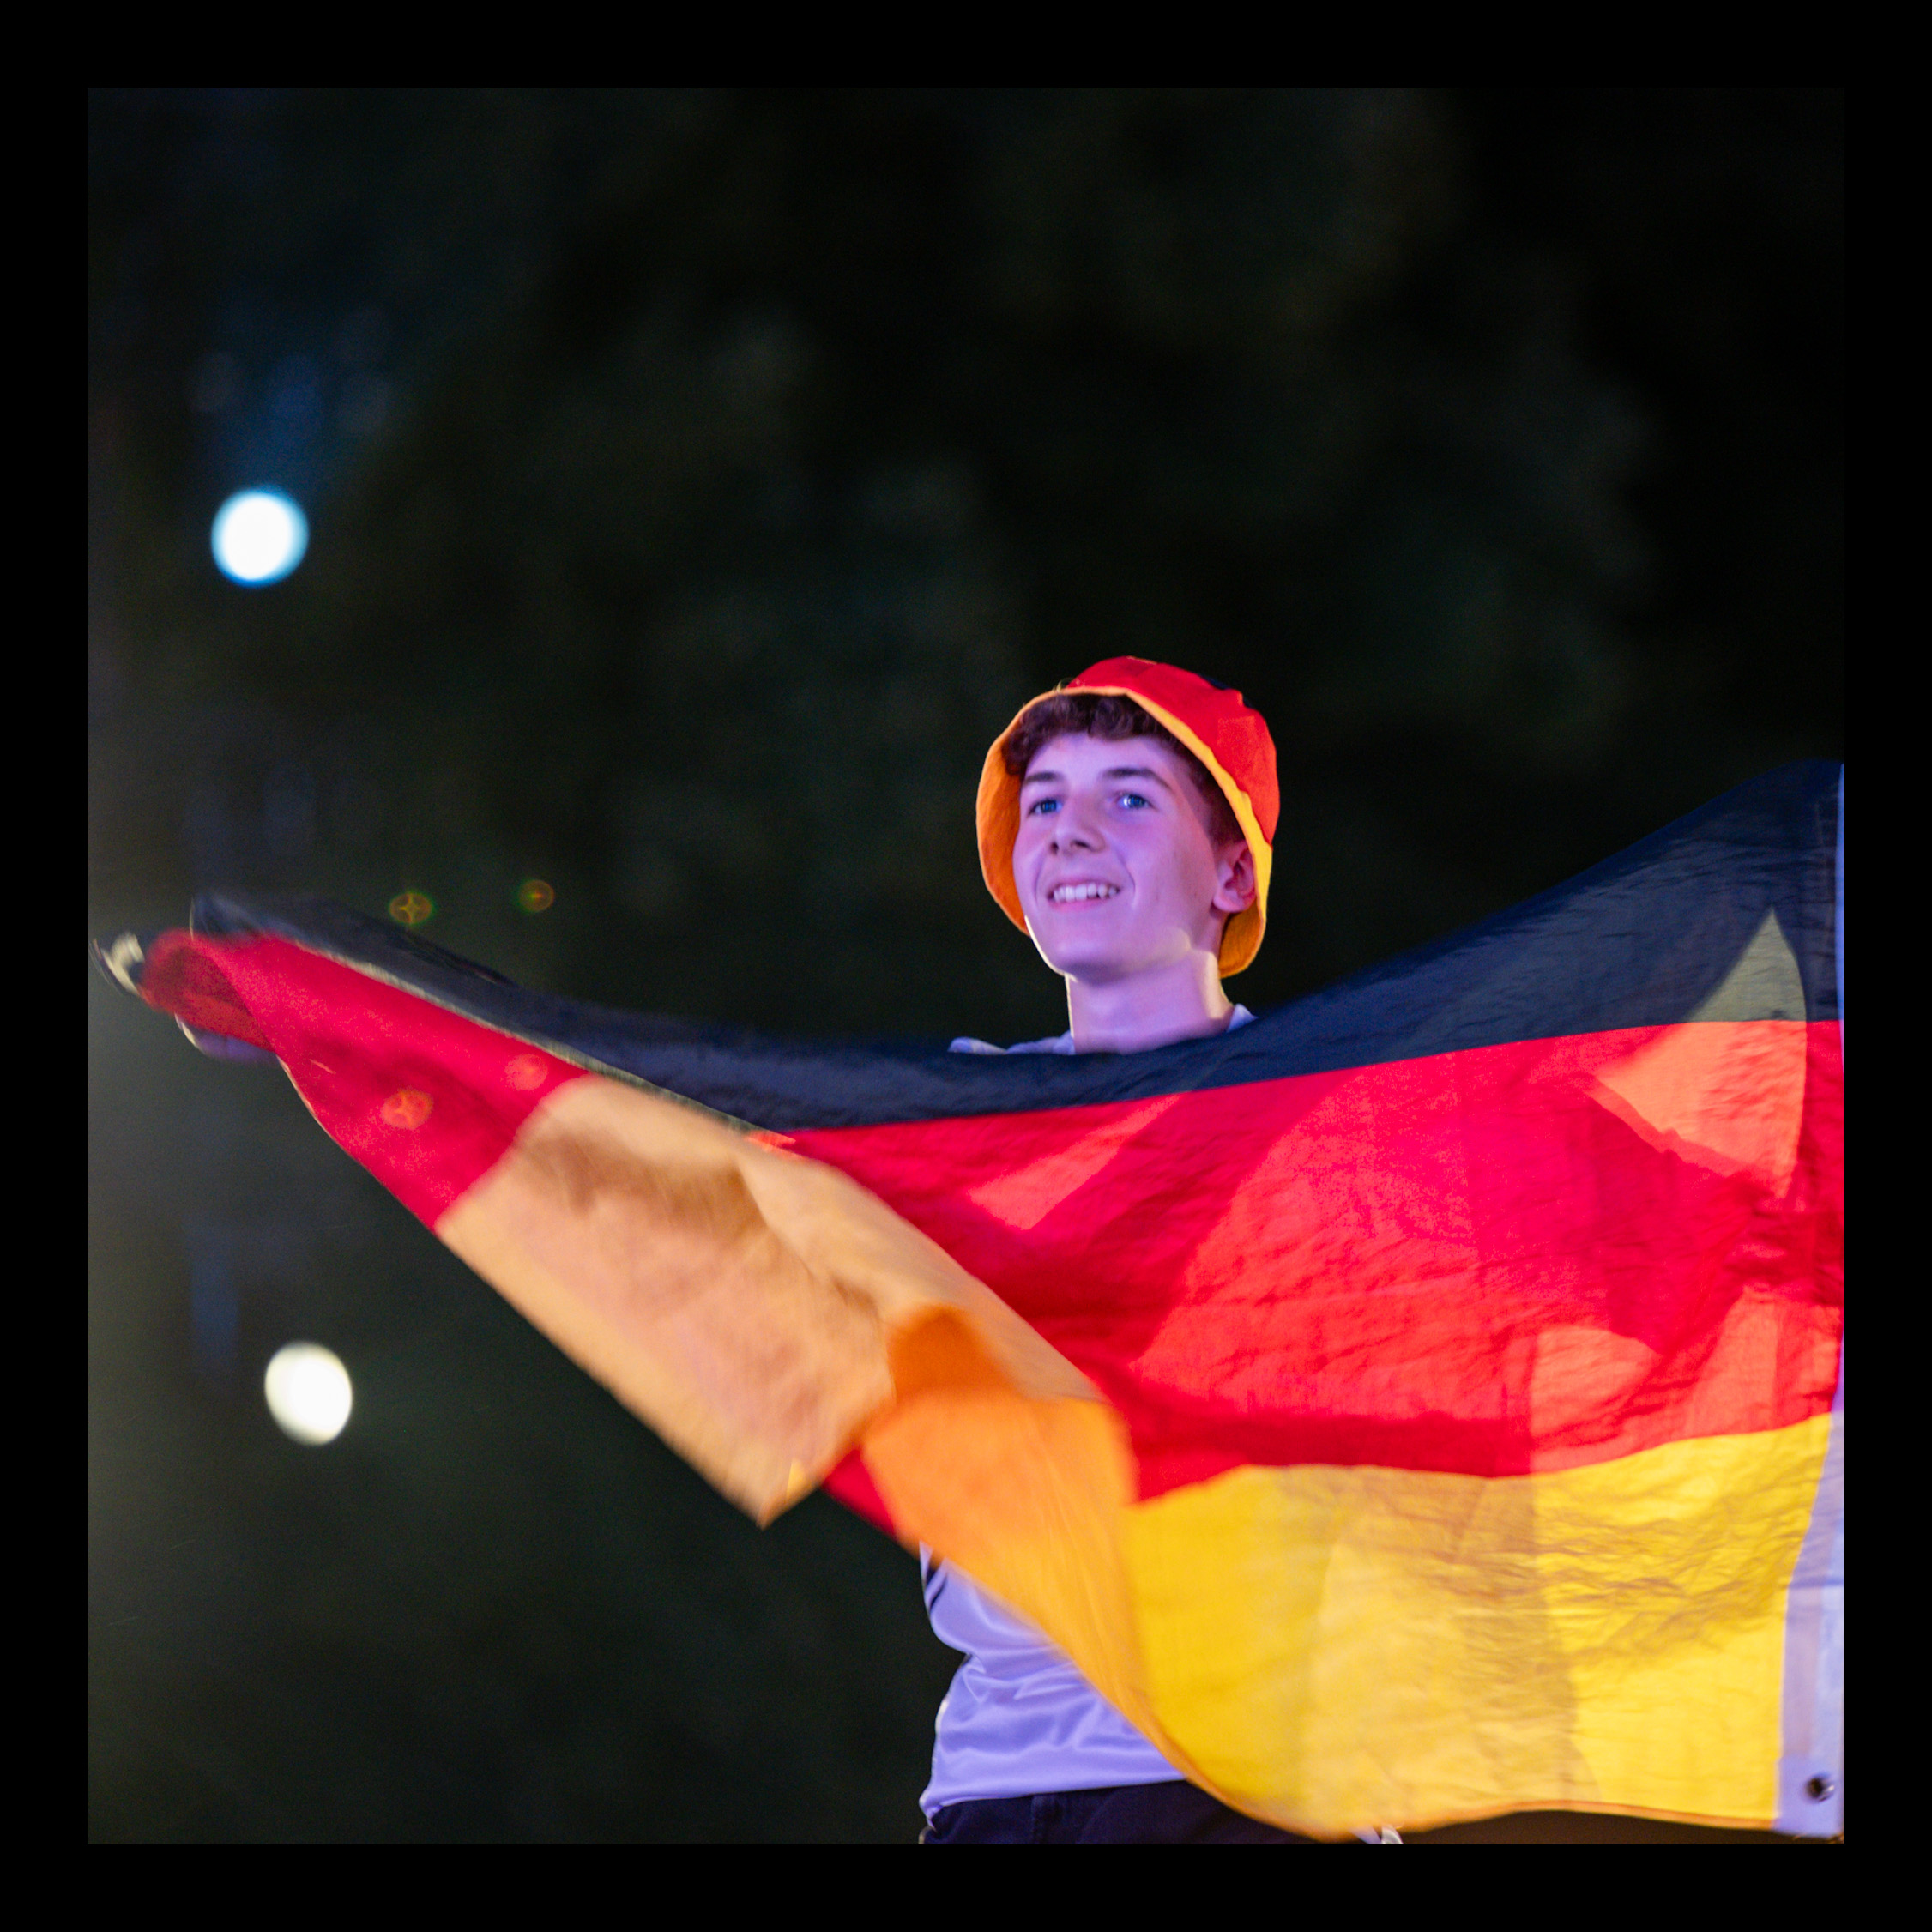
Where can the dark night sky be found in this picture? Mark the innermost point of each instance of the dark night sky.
(697, 482)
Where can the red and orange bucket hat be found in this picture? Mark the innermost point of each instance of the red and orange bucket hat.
(1231, 740)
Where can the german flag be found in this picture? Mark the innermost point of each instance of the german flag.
(1423, 1404)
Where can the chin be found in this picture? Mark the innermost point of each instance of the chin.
(1095, 963)
(1071, 961)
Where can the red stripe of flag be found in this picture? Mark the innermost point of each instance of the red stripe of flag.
(427, 1101)
(1464, 1263)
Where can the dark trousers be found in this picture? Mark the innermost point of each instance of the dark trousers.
(1175, 1813)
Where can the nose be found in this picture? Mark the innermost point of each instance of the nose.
(1075, 829)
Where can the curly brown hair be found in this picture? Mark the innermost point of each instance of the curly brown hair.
(1088, 713)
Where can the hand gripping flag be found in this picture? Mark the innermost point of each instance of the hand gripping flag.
(1423, 1404)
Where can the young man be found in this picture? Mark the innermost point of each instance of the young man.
(1126, 821)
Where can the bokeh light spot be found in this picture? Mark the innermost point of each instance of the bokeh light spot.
(259, 536)
(536, 895)
(526, 1072)
(411, 909)
(309, 1392)
(407, 1108)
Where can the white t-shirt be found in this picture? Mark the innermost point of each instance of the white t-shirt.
(1019, 1719)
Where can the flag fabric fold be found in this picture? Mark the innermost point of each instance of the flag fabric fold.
(1423, 1403)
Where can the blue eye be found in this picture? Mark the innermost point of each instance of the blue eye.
(1043, 805)
(1134, 798)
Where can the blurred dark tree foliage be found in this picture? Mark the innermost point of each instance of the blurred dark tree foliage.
(699, 480)
(761, 452)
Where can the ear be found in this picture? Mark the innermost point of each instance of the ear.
(1234, 878)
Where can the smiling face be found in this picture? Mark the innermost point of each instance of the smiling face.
(1118, 870)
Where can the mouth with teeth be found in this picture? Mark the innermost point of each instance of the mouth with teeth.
(1081, 890)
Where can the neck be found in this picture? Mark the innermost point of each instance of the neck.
(1183, 1001)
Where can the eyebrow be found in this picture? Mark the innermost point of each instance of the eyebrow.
(1113, 771)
